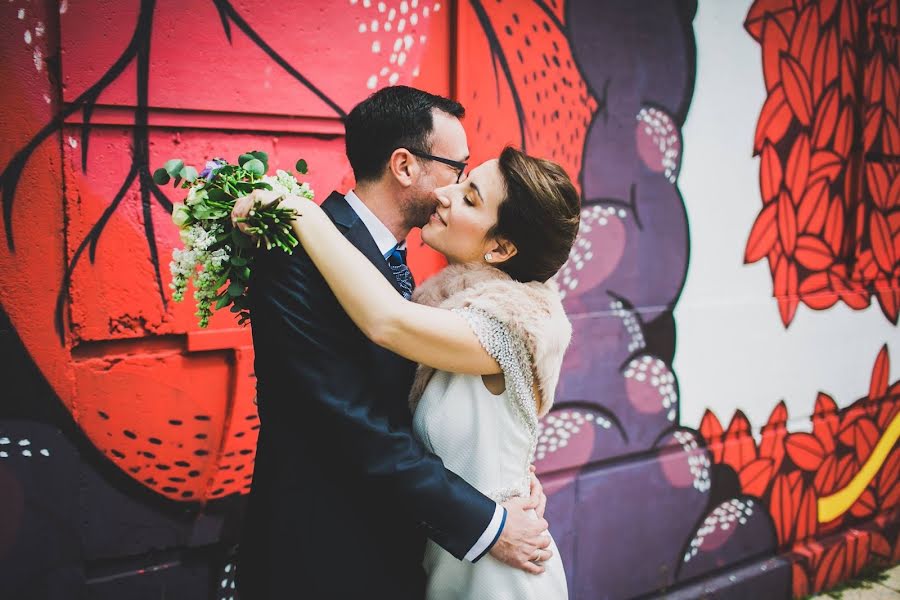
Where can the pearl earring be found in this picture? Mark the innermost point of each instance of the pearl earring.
(488, 257)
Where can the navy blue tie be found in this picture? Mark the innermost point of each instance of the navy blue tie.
(397, 261)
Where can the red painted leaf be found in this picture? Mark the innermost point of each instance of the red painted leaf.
(873, 83)
(886, 412)
(740, 449)
(797, 90)
(763, 235)
(779, 414)
(813, 208)
(826, 118)
(882, 243)
(873, 126)
(893, 201)
(861, 437)
(833, 233)
(712, 432)
(826, 65)
(774, 43)
(843, 138)
(774, 119)
(806, 515)
(770, 173)
(879, 545)
(848, 74)
(761, 10)
(833, 566)
(798, 164)
(850, 415)
(879, 383)
(786, 289)
(825, 164)
(799, 581)
(848, 25)
(816, 292)
(889, 481)
(813, 253)
(879, 184)
(826, 9)
(851, 292)
(864, 505)
(825, 480)
(787, 223)
(755, 476)
(805, 36)
(782, 509)
(889, 300)
(825, 420)
(805, 450)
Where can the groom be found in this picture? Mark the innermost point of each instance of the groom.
(343, 495)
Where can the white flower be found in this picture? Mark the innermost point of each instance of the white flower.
(196, 195)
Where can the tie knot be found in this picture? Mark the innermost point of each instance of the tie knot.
(397, 255)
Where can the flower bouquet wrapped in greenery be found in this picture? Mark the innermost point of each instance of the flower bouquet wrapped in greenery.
(216, 256)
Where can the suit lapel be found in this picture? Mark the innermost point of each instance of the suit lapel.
(355, 231)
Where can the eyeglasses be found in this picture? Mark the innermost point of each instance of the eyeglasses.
(459, 167)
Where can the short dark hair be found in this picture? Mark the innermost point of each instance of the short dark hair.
(540, 215)
(393, 117)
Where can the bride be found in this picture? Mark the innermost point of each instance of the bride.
(488, 332)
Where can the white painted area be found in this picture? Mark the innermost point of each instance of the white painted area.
(732, 350)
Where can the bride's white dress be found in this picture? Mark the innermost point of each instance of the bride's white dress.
(489, 441)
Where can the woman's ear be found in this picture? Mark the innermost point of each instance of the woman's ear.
(501, 250)
(403, 166)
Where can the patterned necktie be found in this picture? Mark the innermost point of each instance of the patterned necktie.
(397, 261)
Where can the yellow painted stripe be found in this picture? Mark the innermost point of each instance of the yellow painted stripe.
(833, 506)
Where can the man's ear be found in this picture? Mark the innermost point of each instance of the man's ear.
(404, 167)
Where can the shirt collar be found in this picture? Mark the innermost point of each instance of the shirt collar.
(383, 237)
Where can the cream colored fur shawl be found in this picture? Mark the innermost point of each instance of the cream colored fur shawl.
(532, 311)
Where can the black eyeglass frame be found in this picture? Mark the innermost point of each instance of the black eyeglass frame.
(457, 165)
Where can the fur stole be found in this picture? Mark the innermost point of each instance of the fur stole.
(532, 311)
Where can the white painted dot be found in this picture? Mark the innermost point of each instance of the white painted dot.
(437, 6)
(407, 41)
(372, 82)
(384, 71)
(73, 142)
(367, 3)
(401, 25)
(24, 443)
(425, 12)
(21, 13)
(26, 452)
(374, 26)
(415, 72)
(39, 29)
(376, 46)
(422, 39)
(398, 43)
(413, 19)
(391, 14)
(414, 3)
(363, 28)
(4, 454)
(228, 568)
(4, 441)
(393, 59)
(224, 583)
(63, 7)
(45, 452)
(387, 26)
(382, 7)
(28, 36)
(401, 58)
(394, 78)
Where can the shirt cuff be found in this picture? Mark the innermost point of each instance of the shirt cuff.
(489, 537)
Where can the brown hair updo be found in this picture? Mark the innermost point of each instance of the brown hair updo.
(540, 215)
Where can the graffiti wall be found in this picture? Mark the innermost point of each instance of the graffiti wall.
(726, 421)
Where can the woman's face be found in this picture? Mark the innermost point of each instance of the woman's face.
(466, 211)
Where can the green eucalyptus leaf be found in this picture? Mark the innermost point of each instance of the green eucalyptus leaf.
(262, 156)
(223, 302)
(161, 176)
(235, 289)
(255, 166)
(245, 158)
(302, 167)
(218, 195)
(238, 261)
(189, 173)
(174, 166)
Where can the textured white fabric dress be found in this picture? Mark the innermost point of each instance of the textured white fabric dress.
(489, 441)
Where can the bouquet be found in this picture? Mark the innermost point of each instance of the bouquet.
(216, 256)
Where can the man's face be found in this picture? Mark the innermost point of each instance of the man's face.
(448, 140)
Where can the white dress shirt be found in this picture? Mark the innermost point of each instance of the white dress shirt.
(386, 243)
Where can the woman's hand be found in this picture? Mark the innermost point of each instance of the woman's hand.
(243, 206)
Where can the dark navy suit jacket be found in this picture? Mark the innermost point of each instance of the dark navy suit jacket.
(343, 496)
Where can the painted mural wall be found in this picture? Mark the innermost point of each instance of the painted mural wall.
(726, 422)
